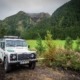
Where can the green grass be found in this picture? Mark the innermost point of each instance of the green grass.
(32, 43)
(58, 43)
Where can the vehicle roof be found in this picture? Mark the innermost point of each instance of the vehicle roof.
(4, 39)
(13, 39)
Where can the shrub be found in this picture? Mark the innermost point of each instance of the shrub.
(67, 59)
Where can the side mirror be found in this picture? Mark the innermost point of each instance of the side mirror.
(28, 46)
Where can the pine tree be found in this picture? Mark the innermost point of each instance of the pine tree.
(51, 49)
(40, 48)
(68, 43)
(78, 44)
(49, 40)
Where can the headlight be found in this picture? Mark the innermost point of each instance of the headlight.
(13, 57)
(33, 55)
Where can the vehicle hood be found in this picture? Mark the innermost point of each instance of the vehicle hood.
(19, 50)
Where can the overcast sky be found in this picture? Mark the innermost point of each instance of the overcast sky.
(10, 7)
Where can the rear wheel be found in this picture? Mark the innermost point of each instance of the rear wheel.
(32, 65)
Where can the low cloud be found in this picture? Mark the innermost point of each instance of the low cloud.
(10, 7)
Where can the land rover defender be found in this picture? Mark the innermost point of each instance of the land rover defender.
(14, 51)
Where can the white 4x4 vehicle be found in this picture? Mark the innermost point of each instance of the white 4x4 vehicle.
(14, 51)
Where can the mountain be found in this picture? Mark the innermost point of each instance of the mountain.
(32, 17)
(37, 17)
(18, 24)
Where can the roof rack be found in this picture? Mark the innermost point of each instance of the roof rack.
(11, 37)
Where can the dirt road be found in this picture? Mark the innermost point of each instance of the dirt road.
(2, 73)
(41, 73)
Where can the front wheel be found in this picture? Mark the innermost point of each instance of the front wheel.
(6, 66)
(32, 65)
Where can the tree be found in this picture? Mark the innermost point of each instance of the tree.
(51, 49)
(68, 43)
(2, 30)
(78, 44)
(40, 48)
(49, 41)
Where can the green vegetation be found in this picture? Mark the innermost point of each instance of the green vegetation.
(58, 43)
(39, 47)
(67, 60)
(78, 45)
(60, 53)
(65, 57)
(68, 44)
(50, 52)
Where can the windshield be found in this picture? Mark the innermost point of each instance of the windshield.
(16, 43)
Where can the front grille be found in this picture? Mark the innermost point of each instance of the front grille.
(23, 56)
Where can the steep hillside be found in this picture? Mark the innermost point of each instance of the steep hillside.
(66, 20)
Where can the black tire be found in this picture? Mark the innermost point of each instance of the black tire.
(7, 67)
(32, 65)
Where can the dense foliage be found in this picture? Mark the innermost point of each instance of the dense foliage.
(66, 20)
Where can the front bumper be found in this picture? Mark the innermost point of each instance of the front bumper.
(23, 62)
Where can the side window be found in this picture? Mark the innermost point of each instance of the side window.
(2, 45)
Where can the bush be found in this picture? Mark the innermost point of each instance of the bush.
(67, 59)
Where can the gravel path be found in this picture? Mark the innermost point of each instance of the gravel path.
(41, 73)
(2, 73)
